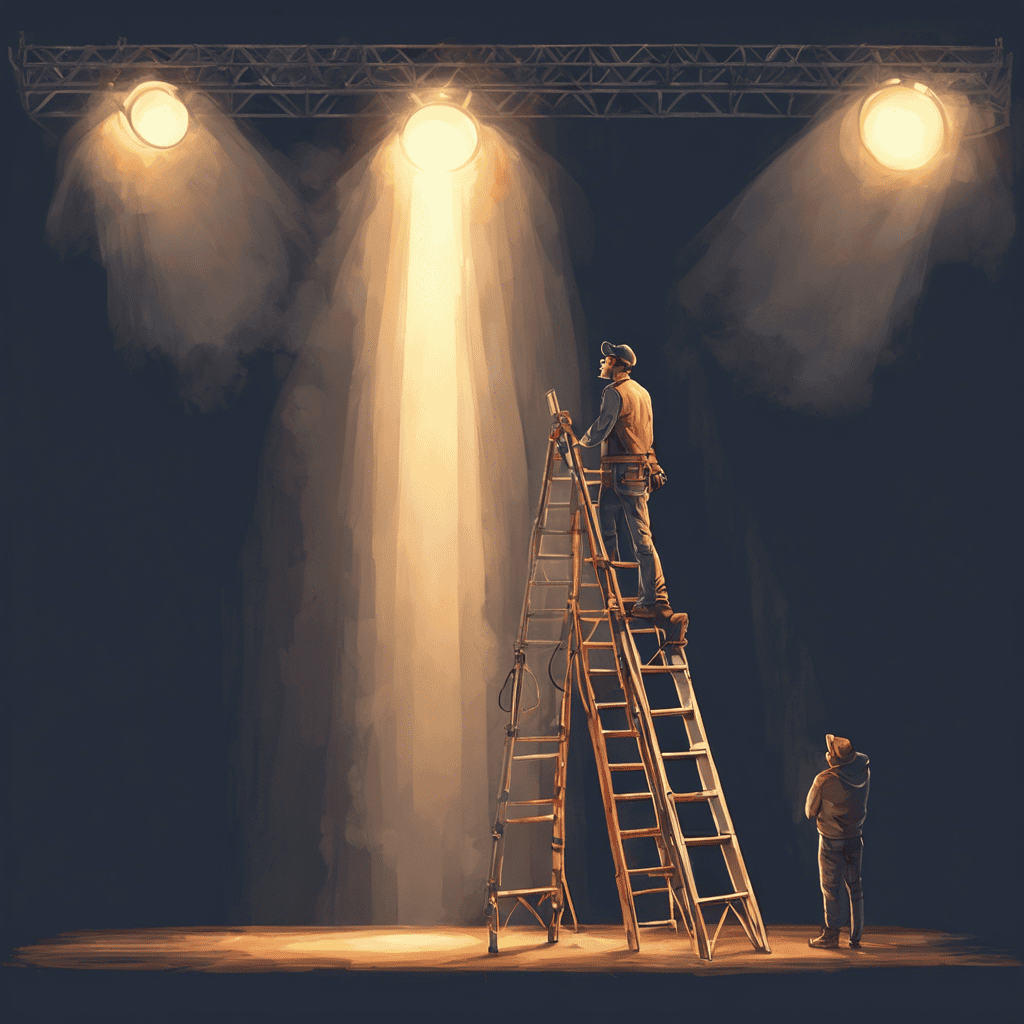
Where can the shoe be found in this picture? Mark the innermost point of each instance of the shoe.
(643, 611)
(828, 939)
(854, 943)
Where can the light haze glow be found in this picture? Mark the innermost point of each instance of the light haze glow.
(440, 137)
(391, 534)
(902, 127)
(156, 114)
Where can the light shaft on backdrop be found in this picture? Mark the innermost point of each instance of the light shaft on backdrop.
(386, 564)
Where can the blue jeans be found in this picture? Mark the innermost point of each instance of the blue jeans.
(839, 864)
(622, 510)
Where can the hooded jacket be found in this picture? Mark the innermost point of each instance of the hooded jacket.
(838, 798)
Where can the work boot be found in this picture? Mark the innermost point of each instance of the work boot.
(856, 922)
(675, 629)
(642, 611)
(828, 939)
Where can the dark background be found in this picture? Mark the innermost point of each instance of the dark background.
(893, 532)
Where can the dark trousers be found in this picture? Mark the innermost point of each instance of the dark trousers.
(626, 527)
(839, 864)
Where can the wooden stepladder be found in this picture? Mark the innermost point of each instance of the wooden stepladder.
(669, 828)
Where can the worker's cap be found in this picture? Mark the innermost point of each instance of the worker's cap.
(623, 353)
(839, 747)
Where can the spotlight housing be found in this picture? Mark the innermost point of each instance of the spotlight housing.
(440, 136)
(156, 114)
(903, 125)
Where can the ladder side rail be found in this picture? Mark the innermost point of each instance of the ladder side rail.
(597, 740)
(536, 536)
(661, 790)
(654, 766)
(511, 730)
(558, 880)
(710, 780)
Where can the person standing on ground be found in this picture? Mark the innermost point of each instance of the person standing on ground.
(838, 800)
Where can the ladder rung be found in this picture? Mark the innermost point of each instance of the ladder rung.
(528, 803)
(705, 900)
(656, 924)
(532, 817)
(611, 704)
(632, 796)
(543, 890)
(538, 739)
(683, 755)
(709, 840)
(534, 757)
(667, 712)
(599, 645)
(660, 668)
(662, 870)
(604, 671)
(694, 798)
(626, 767)
(618, 734)
(550, 583)
(644, 892)
(640, 833)
(544, 554)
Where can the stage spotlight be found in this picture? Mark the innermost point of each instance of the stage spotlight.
(903, 125)
(156, 115)
(440, 137)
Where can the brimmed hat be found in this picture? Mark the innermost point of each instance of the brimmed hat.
(840, 748)
(623, 353)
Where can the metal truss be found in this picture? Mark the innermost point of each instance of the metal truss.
(607, 81)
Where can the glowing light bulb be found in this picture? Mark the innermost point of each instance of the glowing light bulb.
(156, 114)
(902, 126)
(440, 137)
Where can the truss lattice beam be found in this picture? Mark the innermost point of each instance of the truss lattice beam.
(609, 81)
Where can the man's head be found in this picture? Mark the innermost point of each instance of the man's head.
(617, 359)
(840, 750)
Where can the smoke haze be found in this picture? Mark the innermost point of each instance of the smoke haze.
(803, 280)
(385, 568)
(199, 241)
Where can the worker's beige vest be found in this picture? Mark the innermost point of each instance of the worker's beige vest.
(635, 426)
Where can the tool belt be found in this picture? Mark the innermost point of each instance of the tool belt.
(648, 475)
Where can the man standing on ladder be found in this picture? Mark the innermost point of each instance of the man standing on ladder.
(629, 470)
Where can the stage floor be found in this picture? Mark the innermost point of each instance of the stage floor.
(595, 948)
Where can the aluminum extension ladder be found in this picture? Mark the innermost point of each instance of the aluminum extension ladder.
(668, 823)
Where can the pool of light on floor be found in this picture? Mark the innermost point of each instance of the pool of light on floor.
(391, 942)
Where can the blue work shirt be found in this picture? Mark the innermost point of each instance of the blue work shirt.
(602, 427)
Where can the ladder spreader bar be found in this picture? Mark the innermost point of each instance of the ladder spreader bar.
(543, 891)
(705, 900)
